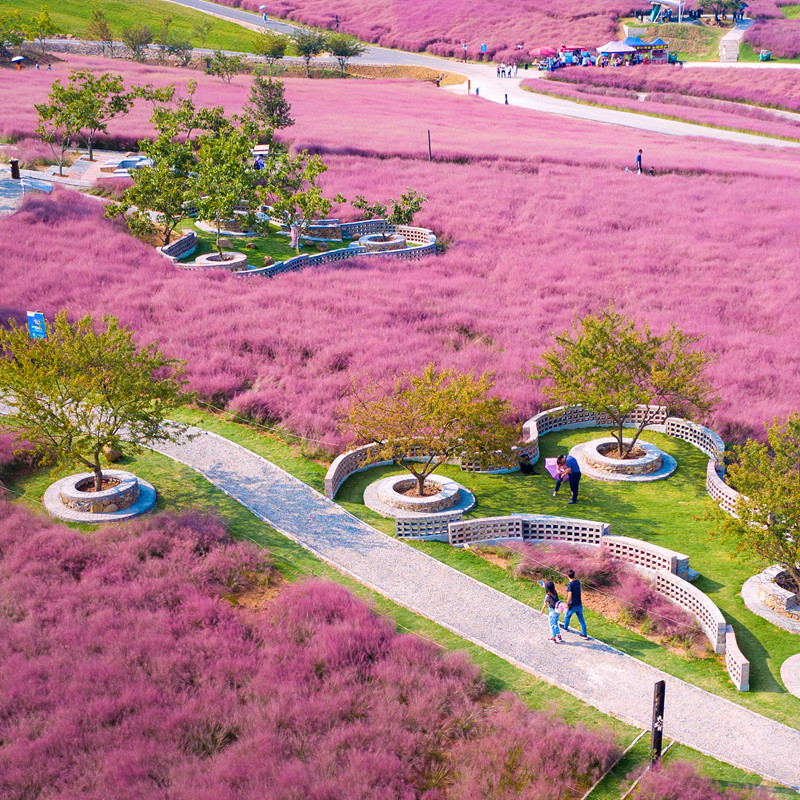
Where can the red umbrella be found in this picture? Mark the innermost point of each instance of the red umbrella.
(543, 52)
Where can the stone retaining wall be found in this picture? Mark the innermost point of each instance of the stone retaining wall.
(737, 665)
(647, 555)
(181, 247)
(726, 496)
(527, 527)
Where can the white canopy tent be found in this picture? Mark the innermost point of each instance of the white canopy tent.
(614, 48)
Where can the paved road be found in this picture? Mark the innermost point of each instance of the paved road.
(609, 680)
(498, 90)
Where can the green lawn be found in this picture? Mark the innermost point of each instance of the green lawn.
(671, 513)
(791, 11)
(72, 16)
(181, 488)
(271, 244)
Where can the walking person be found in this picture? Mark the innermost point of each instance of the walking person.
(569, 469)
(574, 603)
(639, 163)
(552, 603)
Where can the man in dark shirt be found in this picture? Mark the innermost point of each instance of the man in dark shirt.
(570, 469)
(574, 603)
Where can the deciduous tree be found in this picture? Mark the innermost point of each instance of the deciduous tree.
(397, 212)
(202, 30)
(225, 67)
(12, 30)
(136, 38)
(609, 367)
(343, 47)
(292, 192)
(767, 475)
(270, 46)
(308, 44)
(223, 178)
(41, 27)
(58, 124)
(426, 420)
(86, 387)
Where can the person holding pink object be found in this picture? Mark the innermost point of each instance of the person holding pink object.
(553, 604)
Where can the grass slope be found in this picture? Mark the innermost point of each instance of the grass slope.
(72, 16)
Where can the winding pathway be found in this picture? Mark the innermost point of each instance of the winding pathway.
(498, 90)
(598, 674)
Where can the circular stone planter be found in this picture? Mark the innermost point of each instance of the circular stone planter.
(231, 261)
(375, 243)
(775, 597)
(128, 498)
(384, 498)
(653, 465)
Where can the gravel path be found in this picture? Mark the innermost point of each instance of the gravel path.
(600, 675)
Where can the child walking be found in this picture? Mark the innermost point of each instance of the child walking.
(552, 604)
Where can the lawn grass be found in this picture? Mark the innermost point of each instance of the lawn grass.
(72, 16)
(791, 11)
(673, 513)
(271, 244)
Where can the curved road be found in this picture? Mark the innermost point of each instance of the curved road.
(498, 90)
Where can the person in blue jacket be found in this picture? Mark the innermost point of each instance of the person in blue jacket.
(570, 470)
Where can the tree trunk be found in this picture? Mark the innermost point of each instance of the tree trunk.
(91, 150)
(421, 485)
(219, 249)
(98, 476)
(618, 437)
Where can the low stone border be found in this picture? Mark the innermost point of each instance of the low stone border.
(790, 674)
(372, 498)
(668, 463)
(209, 228)
(53, 505)
(751, 598)
(212, 261)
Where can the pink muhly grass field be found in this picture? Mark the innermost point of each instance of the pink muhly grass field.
(543, 223)
(697, 110)
(126, 673)
(766, 87)
(442, 27)
(780, 36)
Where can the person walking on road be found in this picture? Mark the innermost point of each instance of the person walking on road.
(552, 603)
(574, 603)
(568, 468)
(639, 163)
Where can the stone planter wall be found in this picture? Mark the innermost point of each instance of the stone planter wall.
(448, 496)
(775, 597)
(646, 465)
(124, 495)
(236, 262)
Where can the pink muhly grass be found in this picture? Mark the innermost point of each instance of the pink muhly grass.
(678, 780)
(772, 87)
(780, 36)
(441, 28)
(124, 673)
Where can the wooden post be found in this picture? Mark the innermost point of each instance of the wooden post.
(430, 154)
(657, 729)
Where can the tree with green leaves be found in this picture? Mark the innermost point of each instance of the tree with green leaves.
(343, 47)
(225, 67)
(267, 103)
(163, 187)
(429, 419)
(87, 387)
(12, 30)
(99, 30)
(767, 475)
(137, 38)
(308, 45)
(162, 39)
(291, 190)
(41, 27)
(202, 30)
(223, 179)
(181, 50)
(396, 212)
(270, 46)
(609, 367)
(58, 124)
(93, 101)
(719, 8)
